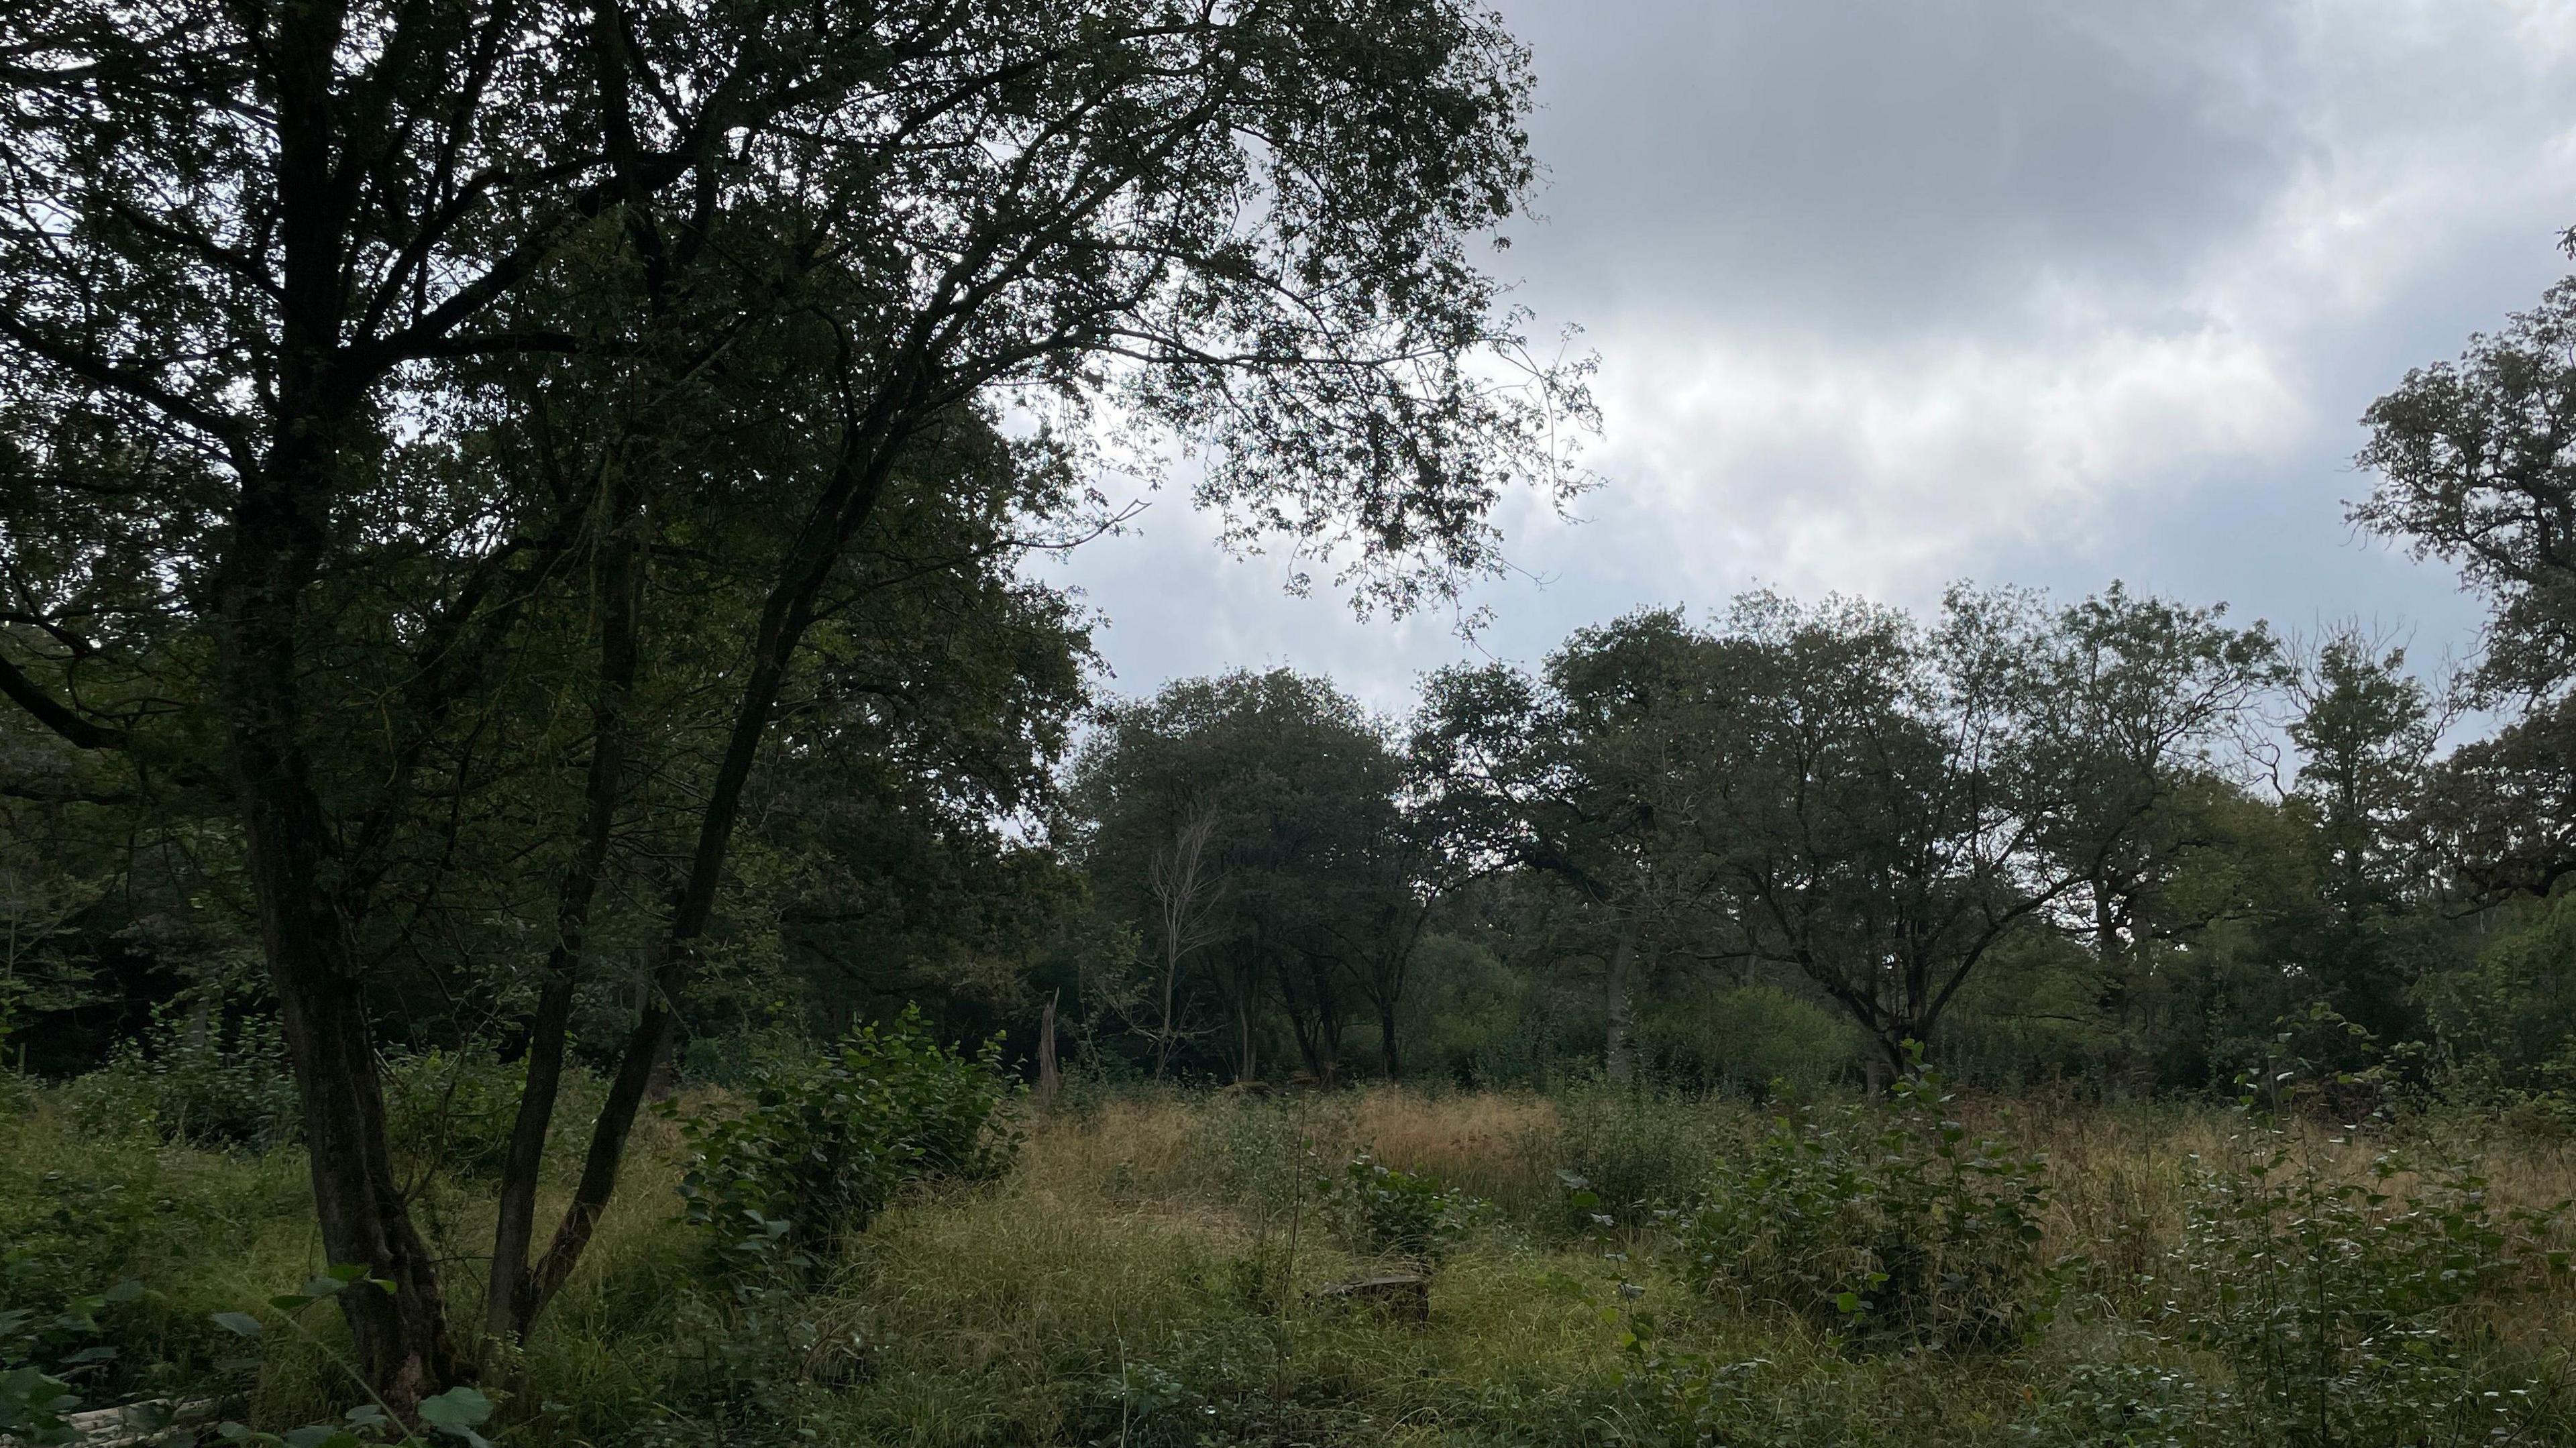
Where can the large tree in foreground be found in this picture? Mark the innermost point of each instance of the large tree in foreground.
(274, 276)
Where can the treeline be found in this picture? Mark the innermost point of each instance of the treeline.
(2120, 842)
(2124, 843)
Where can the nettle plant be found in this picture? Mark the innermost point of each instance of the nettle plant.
(823, 1145)
(2351, 1311)
(1885, 1219)
(1405, 1215)
(47, 1358)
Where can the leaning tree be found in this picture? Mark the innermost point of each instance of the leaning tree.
(280, 285)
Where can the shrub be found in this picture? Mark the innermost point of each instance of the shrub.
(1640, 1150)
(823, 1144)
(1248, 1151)
(46, 1357)
(1884, 1217)
(2128, 1405)
(1395, 1213)
(455, 1110)
(1742, 1039)
(2348, 1309)
(206, 1078)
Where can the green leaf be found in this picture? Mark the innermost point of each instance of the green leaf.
(239, 1322)
(458, 1410)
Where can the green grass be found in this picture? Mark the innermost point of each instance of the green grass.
(1146, 1275)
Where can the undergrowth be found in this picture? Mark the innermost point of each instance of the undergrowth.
(1602, 1267)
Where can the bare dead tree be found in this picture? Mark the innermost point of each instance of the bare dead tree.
(1186, 890)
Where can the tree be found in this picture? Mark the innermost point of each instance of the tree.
(1245, 821)
(2148, 705)
(1580, 775)
(281, 274)
(2475, 469)
(2366, 731)
(1185, 887)
(1890, 803)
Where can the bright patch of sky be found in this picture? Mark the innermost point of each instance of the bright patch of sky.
(1889, 293)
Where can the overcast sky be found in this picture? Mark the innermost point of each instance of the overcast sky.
(1889, 293)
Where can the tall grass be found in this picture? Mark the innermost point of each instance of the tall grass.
(1150, 1273)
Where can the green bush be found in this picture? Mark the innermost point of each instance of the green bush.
(1883, 1217)
(1394, 1213)
(1742, 1039)
(822, 1145)
(2349, 1311)
(202, 1077)
(2128, 1405)
(2511, 1015)
(1256, 1152)
(1640, 1150)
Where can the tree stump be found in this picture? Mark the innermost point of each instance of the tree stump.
(1405, 1296)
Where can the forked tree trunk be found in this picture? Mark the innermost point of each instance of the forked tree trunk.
(511, 1299)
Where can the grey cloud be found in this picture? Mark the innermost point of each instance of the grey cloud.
(1891, 292)
(1882, 165)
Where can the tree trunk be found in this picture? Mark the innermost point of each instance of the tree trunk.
(1621, 1057)
(1048, 1078)
(1246, 1068)
(1386, 1041)
(867, 459)
(510, 1300)
(1878, 1066)
(400, 1337)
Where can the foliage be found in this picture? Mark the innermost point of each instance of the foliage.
(2509, 1017)
(2345, 1307)
(2128, 1405)
(202, 1075)
(45, 1356)
(1747, 1041)
(1108, 1283)
(1638, 1151)
(1247, 829)
(458, 1412)
(1889, 1220)
(453, 1110)
(821, 1145)
(1402, 1214)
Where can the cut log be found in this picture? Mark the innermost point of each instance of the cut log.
(1404, 1295)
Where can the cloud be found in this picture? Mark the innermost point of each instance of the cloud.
(1880, 470)
(1889, 288)
(1890, 292)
